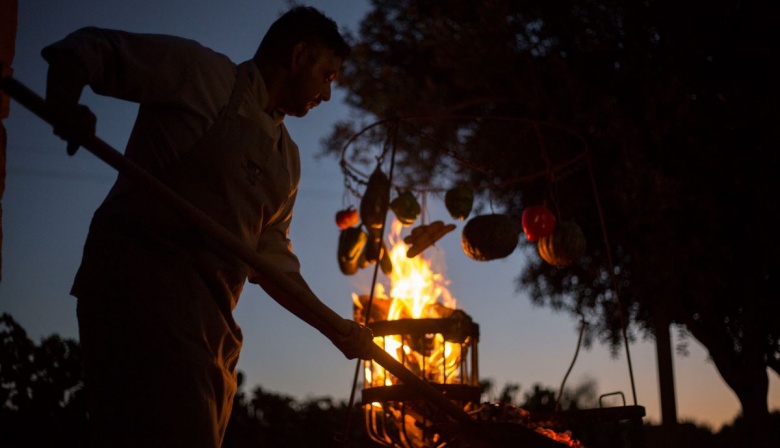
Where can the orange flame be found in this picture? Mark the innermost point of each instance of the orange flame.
(417, 291)
(415, 285)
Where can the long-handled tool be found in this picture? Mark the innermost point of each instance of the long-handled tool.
(471, 432)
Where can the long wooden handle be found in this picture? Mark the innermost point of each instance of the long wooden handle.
(32, 101)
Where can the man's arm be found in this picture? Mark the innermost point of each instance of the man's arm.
(274, 246)
(142, 68)
(353, 339)
(161, 72)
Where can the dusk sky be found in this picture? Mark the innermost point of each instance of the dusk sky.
(50, 198)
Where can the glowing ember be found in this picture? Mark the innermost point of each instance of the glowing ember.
(563, 437)
(507, 413)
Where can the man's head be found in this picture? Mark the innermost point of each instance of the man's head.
(300, 24)
(300, 56)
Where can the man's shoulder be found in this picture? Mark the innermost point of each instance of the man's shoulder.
(158, 52)
(190, 49)
(152, 42)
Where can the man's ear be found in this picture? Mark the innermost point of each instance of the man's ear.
(299, 57)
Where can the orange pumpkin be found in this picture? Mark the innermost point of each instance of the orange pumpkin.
(565, 246)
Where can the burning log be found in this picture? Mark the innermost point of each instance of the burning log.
(436, 344)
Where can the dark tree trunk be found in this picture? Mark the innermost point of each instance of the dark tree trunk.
(663, 349)
(745, 372)
(753, 399)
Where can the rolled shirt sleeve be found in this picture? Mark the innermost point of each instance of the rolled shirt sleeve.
(274, 243)
(275, 246)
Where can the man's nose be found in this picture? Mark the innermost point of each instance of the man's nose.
(326, 93)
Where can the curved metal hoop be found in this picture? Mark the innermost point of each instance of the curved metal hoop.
(554, 170)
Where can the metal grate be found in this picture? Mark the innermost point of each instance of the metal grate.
(443, 352)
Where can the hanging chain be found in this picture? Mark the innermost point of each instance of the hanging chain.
(391, 142)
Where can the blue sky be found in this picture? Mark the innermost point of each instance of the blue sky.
(50, 198)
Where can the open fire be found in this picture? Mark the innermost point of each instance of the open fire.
(419, 325)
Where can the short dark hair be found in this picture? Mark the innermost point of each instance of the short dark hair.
(300, 24)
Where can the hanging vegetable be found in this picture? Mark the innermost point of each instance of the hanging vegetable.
(488, 237)
(385, 263)
(373, 205)
(565, 246)
(347, 218)
(459, 201)
(352, 242)
(424, 235)
(376, 250)
(406, 208)
(538, 222)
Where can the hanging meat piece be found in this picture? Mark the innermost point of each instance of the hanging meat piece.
(424, 235)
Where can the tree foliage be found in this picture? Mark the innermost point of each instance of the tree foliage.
(56, 417)
(265, 419)
(40, 389)
(540, 398)
(43, 402)
(675, 103)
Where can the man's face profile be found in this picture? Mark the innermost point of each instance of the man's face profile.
(313, 69)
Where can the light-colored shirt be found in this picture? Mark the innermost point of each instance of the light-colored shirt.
(183, 89)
